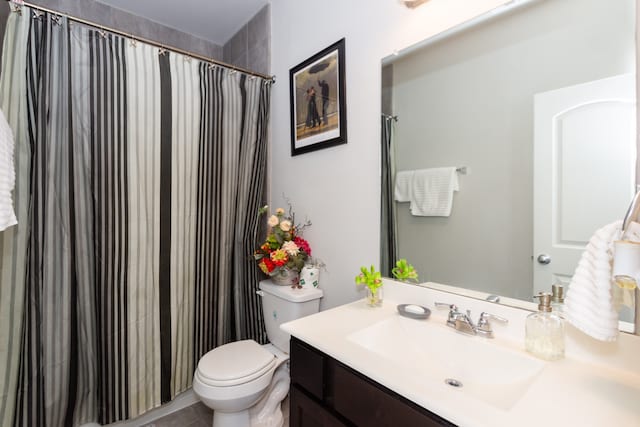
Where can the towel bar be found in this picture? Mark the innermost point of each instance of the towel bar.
(632, 213)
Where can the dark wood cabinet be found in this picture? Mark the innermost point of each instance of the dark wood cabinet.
(327, 393)
(308, 412)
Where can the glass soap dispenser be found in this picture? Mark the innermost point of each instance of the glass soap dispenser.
(557, 298)
(544, 331)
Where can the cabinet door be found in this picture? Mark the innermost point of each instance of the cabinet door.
(307, 368)
(365, 403)
(305, 412)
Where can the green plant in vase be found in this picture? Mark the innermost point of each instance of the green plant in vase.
(372, 279)
(404, 271)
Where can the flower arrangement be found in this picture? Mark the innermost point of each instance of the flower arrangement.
(284, 248)
(372, 279)
(404, 271)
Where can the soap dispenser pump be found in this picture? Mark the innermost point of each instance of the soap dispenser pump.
(544, 331)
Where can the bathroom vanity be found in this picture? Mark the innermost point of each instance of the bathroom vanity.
(364, 366)
(323, 389)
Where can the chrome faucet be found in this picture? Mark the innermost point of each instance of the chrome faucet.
(462, 322)
(454, 314)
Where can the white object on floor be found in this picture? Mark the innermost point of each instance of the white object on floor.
(432, 191)
(589, 302)
(244, 383)
(7, 175)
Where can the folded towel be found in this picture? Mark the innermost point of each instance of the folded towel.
(7, 175)
(589, 304)
(432, 191)
(402, 190)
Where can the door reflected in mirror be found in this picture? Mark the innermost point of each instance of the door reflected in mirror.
(538, 104)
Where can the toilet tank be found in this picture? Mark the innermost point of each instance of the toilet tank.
(281, 304)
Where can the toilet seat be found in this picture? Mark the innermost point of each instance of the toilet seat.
(235, 363)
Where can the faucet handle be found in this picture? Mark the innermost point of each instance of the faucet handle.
(451, 307)
(484, 319)
(484, 327)
(453, 312)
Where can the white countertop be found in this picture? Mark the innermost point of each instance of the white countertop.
(598, 388)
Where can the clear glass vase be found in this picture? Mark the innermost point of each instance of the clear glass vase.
(374, 297)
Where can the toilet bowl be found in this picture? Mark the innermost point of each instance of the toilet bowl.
(243, 381)
(233, 378)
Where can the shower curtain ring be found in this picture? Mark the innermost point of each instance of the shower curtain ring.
(16, 8)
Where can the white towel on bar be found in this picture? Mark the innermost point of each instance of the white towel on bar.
(432, 191)
(589, 304)
(7, 175)
(402, 189)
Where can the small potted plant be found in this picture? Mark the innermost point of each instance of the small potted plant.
(372, 279)
(404, 271)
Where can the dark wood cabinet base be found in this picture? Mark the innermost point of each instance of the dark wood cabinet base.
(327, 393)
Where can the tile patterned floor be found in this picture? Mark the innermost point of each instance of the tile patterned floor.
(198, 415)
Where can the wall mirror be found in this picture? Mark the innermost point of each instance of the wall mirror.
(536, 100)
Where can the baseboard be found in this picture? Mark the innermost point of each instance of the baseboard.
(183, 400)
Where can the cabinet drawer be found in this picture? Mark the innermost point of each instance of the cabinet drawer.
(307, 368)
(365, 403)
(305, 412)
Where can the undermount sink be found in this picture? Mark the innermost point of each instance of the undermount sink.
(485, 369)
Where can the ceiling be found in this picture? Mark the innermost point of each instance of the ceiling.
(213, 20)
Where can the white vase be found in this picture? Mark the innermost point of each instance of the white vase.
(310, 276)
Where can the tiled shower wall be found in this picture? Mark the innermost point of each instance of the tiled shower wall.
(250, 47)
(102, 14)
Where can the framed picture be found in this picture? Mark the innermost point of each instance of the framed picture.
(318, 101)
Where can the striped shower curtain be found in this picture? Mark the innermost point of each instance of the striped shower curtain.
(388, 232)
(139, 175)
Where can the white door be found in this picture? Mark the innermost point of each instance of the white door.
(584, 170)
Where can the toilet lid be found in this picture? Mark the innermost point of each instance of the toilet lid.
(235, 363)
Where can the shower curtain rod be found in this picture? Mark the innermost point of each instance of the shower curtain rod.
(271, 79)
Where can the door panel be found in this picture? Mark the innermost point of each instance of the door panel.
(579, 132)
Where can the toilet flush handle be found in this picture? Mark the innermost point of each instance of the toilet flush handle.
(259, 292)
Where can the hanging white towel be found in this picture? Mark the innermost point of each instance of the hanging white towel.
(402, 189)
(589, 303)
(432, 191)
(7, 175)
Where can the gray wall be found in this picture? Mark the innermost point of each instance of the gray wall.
(250, 47)
(468, 101)
(387, 90)
(115, 18)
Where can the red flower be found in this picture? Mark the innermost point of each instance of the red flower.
(302, 244)
(266, 265)
(279, 257)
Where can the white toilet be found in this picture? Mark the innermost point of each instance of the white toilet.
(245, 382)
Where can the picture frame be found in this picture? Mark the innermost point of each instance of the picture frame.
(318, 101)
